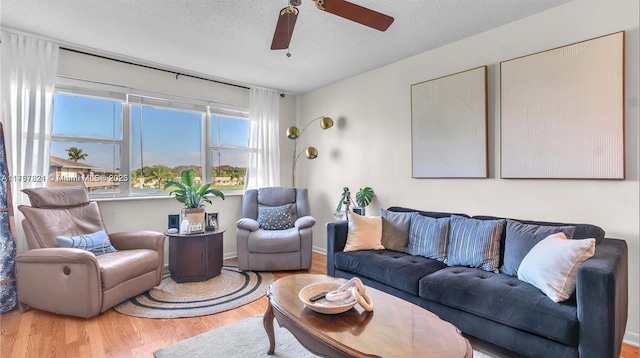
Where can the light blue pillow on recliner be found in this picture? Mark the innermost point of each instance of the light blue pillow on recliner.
(97, 242)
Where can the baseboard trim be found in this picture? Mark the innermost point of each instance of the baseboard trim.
(631, 338)
(319, 250)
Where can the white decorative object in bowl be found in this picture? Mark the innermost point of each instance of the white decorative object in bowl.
(322, 305)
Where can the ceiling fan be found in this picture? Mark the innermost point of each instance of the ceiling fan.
(350, 11)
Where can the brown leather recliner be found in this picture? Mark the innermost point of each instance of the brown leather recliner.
(74, 281)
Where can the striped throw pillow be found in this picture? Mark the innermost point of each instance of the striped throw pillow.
(428, 237)
(474, 243)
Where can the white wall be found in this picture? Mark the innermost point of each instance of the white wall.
(371, 145)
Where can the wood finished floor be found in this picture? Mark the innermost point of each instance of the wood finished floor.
(42, 334)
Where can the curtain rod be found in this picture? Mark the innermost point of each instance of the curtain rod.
(151, 67)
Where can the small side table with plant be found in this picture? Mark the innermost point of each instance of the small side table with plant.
(193, 195)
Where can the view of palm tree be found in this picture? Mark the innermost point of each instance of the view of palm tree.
(159, 174)
(76, 154)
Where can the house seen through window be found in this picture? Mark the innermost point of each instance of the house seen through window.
(130, 146)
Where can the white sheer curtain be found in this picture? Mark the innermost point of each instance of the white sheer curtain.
(29, 68)
(264, 139)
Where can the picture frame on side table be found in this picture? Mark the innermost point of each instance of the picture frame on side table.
(211, 222)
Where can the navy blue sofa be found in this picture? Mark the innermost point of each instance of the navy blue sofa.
(499, 308)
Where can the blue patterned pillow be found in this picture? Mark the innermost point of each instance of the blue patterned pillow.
(428, 237)
(275, 217)
(474, 243)
(97, 243)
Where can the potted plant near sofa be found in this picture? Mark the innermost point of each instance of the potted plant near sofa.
(364, 196)
(193, 195)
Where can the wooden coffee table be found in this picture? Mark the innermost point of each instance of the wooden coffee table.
(395, 328)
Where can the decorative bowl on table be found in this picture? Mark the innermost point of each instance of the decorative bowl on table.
(322, 305)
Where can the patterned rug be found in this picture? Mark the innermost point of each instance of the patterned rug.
(231, 289)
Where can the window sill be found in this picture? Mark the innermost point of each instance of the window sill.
(232, 193)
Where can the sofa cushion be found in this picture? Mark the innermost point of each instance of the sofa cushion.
(474, 243)
(583, 231)
(552, 265)
(431, 214)
(520, 238)
(503, 299)
(121, 266)
(365, 233)
(398, 270)
(270, 241)
(428, 237)
(395, 230)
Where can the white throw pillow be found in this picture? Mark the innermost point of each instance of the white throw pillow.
(552, 264)
(365, 233)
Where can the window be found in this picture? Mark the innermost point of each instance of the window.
(86, 143)
(164, 142)
(117, 143)
(229, 140)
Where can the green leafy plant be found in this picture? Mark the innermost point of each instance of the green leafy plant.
(364, 196)
(191, 194)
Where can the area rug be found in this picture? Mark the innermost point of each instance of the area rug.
(231, 289)
(243, 339)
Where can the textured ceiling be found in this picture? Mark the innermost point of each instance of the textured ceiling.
(230, 39)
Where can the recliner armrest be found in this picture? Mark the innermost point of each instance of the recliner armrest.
(131, 240)
(304, 222)
(57, 255)
(247, 224)
(60, 280)
(602, 299)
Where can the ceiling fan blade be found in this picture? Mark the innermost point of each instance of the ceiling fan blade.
(356, 13)
(284, 28)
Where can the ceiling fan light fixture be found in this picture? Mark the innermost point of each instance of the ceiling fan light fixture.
(342, 8)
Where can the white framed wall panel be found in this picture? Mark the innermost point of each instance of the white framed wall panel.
(449, 126)
(562, 112)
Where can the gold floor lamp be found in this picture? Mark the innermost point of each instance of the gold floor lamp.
(311, 152)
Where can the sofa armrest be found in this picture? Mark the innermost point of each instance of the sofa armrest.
(336, 240)
(602, 300)
(132, 240)
(60, 280)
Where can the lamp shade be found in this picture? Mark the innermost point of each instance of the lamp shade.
(311, 153)
(293, 132)
(326, 123)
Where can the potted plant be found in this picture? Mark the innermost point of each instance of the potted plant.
(364, 196)
(193, 195)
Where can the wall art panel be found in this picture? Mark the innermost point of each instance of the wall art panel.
(562, 112)
(449, 126)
